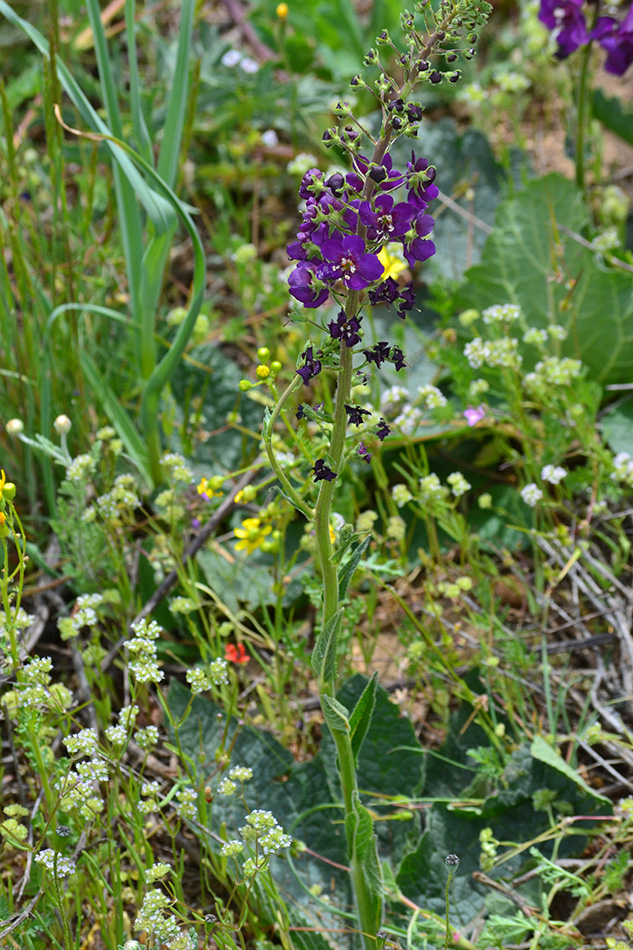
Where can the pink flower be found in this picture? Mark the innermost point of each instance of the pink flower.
(473, 416)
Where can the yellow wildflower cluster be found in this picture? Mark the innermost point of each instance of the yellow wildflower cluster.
(209, 487)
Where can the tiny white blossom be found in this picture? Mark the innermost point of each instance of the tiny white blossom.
(401, 495)
(557, 332)
(553, 474)
(56, 863)
(231, 58)
(231, 848)
(535, 335)
(501, 313)
(458, 484)
(432, 396)
(531, 494)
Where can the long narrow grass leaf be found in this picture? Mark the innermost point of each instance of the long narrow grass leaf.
(176, 110)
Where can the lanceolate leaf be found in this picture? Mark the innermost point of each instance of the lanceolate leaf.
(325, 653)
(361, 715)
(335, 713)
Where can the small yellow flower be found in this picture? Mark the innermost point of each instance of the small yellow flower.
(251, 535)
(204, 488)
(3, 479)
(282, 10)
(262, 371)
(391, 259)
(3, 518)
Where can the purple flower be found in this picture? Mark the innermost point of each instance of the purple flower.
(195, 523)
(406, 298)
(307, 285)
(300, 413)
(618, 44)
(397, 358)
(420, 177)
(311, 368)
(323, 472)
(385, 220)
(566, 19)
(364, 452)
(385, 175)
(386, 292)
(382, 430)
(415, 248)
(356, 268)
(311, 183)
(378, 354)
(344, 329)
(355, 415)
(473, 416)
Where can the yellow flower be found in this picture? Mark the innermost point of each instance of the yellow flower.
(282, 10)
(391, 259)
(204, 488)
(262, 371)
(3, 517)
(3, 479)
(251, 535)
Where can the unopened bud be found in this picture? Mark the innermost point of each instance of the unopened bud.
(14, 427)
(282, 11)
(62, 425)
(8, 491)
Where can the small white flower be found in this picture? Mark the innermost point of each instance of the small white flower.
(531, 494)
(14, 427)
(248, 65)
(458, 484)
(432, 396)
(401, 495)
(269, 138)
(62, 425)
(553, 474)
(231, 58)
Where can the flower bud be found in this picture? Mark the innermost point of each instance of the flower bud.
(14, 427)
(62, 425)
(262, 371)
(244, 385)
(8, 491)
(275, 367)
(263, 354)
(282, 11)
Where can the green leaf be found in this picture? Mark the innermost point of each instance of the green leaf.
(610, 112)
(544, 752)
(360, 719)
(520, 264)
(350, 565)
(362, 829)
(325, 653)
(336, 715)
(617, 426)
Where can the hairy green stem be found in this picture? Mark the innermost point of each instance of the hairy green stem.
(581, 116)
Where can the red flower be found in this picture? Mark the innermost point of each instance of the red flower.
(236, 654)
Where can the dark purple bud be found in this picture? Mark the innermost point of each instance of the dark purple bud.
(455, 77)
(414, 113)
(311, 368)
(451, 58)
(377, 174)
(396, 123)
(397, 358)
(435, 77)
(322, 472)
(336, 183)
(440, 35)
(356, 81)
(423, 66)
(378, 354)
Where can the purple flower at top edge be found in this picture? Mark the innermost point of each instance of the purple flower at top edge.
(617, 43)
(355, 415)
(322, 472)
(345, 330)
(567, 22)
(306, 284)
(378, 354)
(473, 416)
(382, 429)
(364, 452)
(311, 368)
(352, 263)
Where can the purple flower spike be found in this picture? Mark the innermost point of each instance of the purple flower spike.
(355, 415)
(307, 285)
(345, 330)
(323, 472)
(312, 366)
(356, 268)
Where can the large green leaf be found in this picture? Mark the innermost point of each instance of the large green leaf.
(617, 426)
(529, 260)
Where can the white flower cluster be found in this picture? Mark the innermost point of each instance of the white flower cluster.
(156, 872)
(535, 335)
(512, 82)
(458, 484)
(432, 397)
(187, 806)
(557, 332)
(119, 502)
(49, 859)
(182, 605)
(554, 371)
(82, 743)
(401, 495)
(502, 353)
(240, 773)
(391, 398)
(84, 615)
(607, 240)
(554, 474)
(215, 675)
(408, 419)
(177, 468)
(142, 647)
(153, 920)
(623, 468)
(147, 738)
(531, 494)
(262, 827)
(476, 389)
(431, 487)
(231, 848)
(80, 469)
(127, 717)
(501, 313)
(79, 793)
(234, 57)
